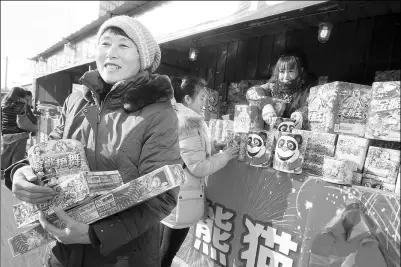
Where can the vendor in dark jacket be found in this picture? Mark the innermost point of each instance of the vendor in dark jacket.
(14, 139)
(126, 122)
(289, 83)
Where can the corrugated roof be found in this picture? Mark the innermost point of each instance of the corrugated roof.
(129, 8)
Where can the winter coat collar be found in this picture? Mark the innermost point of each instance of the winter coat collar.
(132, 94)
(190, 121)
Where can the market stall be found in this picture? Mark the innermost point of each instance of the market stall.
(261, 216)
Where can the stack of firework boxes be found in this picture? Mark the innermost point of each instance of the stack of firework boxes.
(86, 196)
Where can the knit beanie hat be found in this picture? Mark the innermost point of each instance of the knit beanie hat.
(149, 50)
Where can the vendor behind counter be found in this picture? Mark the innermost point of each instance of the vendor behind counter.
(288, 88)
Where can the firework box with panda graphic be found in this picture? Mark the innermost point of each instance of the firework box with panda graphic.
(353, 106)
(384, 112)
(382, 164)
(289, 152)
(323, 106)
(126, 196)
(352, 148)
(338, 171)
(247, 118)
(282, 124)
(259, 148)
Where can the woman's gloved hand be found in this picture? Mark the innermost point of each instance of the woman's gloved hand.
(268, 113)
(298, 117)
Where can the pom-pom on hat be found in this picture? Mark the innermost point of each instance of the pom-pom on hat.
(149, 50)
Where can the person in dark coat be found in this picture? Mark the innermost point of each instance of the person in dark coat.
(14, 139)
(126, 122)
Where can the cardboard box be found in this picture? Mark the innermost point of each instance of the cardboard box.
(378, 185)
(353, 106)
(260, 149)
(352, 148)
(319, 143)
(384, 112)
(322, 107)
(243, 138)
(119, 199)
(289, 153)
(387, 75)
(54, 159)
(247, 118)
(71, 190)
(312, 168)
(386, 144)
(382, 164)
(337, 171)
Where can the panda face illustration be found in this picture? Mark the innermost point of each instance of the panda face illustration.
(286, 126)
(256, 146)
(288, 147)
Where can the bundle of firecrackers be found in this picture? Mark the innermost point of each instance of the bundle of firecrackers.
(346, 122)
(86, 196)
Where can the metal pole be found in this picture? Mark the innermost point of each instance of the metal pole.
(5, 80)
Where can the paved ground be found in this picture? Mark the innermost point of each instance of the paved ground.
(9, 229)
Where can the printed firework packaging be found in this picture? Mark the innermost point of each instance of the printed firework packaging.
(322, 107)
(212, 129)
(382, 164)
(352, 148)
(289, 153)
(259, 148)
(282, 125)
(384, 112)
(385, 144)
(337, 171)
(373, 183)
(210, 109)
(121, 198)
(387, 75)
(227, 130)
(243, 138)
(312, 168)
(319, 143)
(353, 106)
(53, 159)
(247, 118)
(72, 190)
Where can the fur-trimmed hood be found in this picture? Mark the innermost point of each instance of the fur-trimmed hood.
(189, 122)
(132, 94)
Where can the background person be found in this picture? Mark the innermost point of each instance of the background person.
(14, 139)
(201, 159)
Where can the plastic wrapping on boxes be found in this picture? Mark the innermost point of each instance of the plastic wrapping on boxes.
(352, 148)
(384, 112)
(118, 199)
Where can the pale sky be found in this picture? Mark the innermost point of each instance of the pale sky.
(30, 27)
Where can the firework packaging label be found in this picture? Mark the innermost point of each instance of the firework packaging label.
(373, 183)
(283, 125)
(259, 148)
(72, 190)
(319, 143)
(247, 118)
(322, 107)
(53, 159)
(118, 199)
(337, 171)
(382, 164)
(387, 76)
(352, 148)
(289, 153)
(210, 108)
(384, 112)
(353, 106)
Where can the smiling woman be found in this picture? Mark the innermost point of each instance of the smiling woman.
(135, 133)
